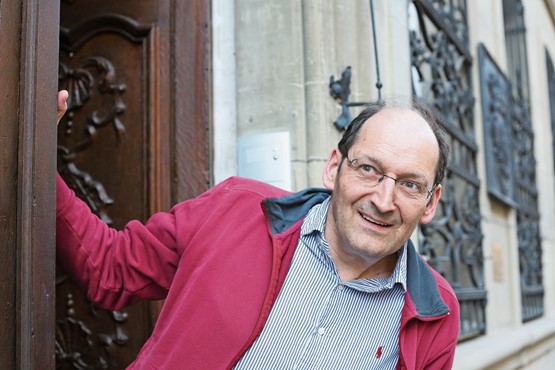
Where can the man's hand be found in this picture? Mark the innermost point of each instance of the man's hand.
(62, 104)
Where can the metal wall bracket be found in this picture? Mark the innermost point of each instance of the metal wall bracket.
(340, 91)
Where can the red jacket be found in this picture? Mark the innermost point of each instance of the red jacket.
(218, 288)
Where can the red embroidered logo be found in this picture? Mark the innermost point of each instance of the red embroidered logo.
(379, 352)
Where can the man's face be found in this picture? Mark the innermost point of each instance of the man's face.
(367, 223)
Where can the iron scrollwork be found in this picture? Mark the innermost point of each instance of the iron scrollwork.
(498, 135)
(441, 74)
(528, 216)
(551, 85)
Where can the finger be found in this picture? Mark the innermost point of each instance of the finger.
(62, 104)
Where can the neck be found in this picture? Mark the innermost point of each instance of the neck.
(352, 268)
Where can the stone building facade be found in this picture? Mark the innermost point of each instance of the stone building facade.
(487, 65)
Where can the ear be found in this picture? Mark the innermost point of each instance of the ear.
(332, 169)
(430, 211)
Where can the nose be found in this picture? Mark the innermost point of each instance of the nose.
(385, 194)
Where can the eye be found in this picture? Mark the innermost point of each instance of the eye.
(367, 168)
(412, 186)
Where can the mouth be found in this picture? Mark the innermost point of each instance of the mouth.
(375, 222)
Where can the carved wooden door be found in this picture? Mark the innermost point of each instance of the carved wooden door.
(134, 141)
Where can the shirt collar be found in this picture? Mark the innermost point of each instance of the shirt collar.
(315, 221)
(316, 218)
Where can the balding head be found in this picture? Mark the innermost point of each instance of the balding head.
(426, 112)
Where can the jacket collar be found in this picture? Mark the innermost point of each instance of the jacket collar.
(422, 286)
(284, 212)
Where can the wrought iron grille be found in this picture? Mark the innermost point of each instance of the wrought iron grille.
(551, 84)
(528, 217)
(441, 74)
(495, 89)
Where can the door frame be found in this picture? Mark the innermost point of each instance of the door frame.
(27, 185)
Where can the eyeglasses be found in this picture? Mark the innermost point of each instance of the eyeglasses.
(372, 176)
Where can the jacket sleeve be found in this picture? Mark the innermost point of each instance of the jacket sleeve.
(114, 268)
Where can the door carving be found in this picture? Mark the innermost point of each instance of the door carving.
(118, 145)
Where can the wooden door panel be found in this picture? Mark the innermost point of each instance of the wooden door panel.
(116, 149)
(104, 156)
(106, 129)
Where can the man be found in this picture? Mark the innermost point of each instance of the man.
(254, 277)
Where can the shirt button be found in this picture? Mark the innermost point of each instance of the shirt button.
(321, 331)
(340, 287)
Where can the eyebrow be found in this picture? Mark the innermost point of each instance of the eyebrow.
(406, 175)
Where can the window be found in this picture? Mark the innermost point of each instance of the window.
(528, 217)
(441, 74)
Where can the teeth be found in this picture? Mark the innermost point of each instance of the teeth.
(373, 221)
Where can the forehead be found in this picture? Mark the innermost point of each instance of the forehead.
(401, 138)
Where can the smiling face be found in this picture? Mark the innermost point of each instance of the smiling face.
(366, 224)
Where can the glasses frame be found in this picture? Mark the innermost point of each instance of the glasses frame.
(382, 176)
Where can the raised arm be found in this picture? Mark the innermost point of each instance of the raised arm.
(113, 268)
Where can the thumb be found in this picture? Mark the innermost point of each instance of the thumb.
(62, 104)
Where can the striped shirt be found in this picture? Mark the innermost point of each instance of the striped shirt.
(320, 322)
